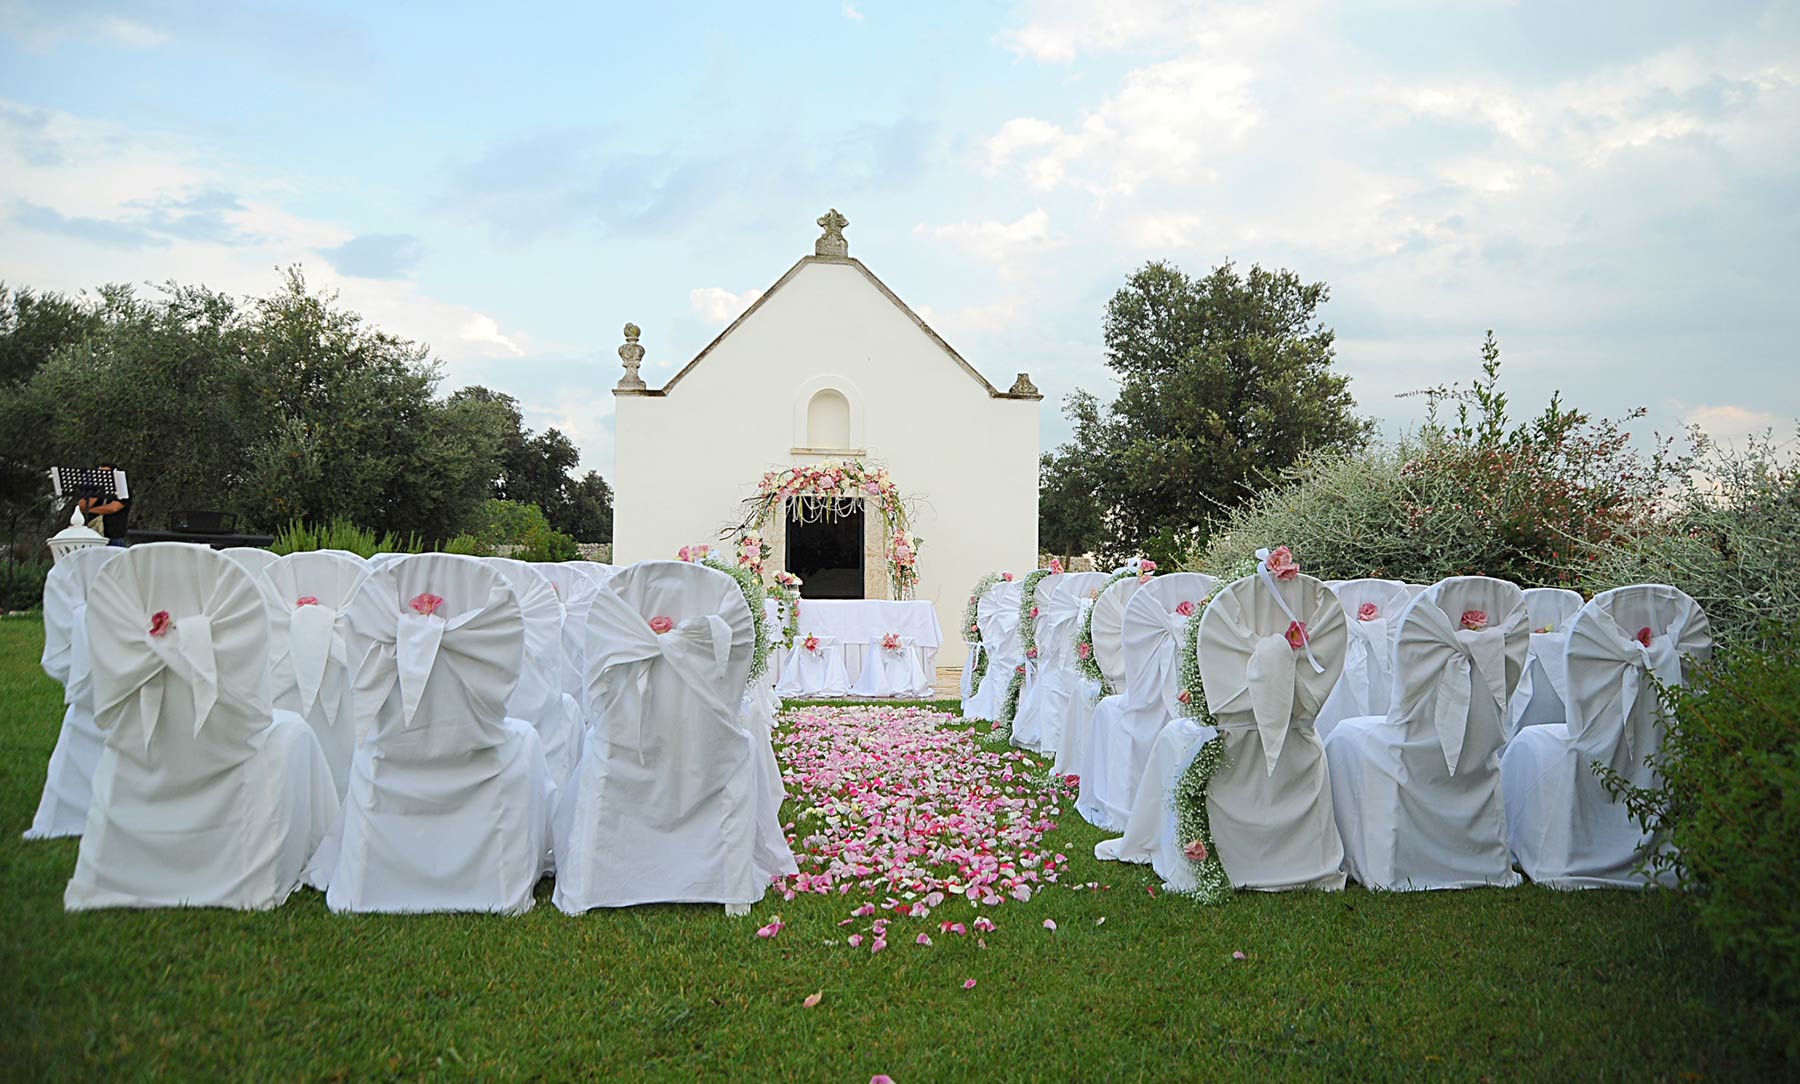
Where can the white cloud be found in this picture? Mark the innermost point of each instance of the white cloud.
(851, 13)
(1729, 423)
(996, 242)
(131, 33)
(481, 328)
(718, 306)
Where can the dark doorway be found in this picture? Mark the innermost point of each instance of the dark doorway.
(828, 556)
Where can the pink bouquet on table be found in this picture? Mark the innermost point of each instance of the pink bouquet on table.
(891, 643)
(811, 644)
(694, 553)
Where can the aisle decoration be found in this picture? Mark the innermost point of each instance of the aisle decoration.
(827, 491)
(890, 643)
(1028, 615)
(1193, 825)
(904, 815)
(786, 590)
(1084, 639)
(972, 625)
(750, 583)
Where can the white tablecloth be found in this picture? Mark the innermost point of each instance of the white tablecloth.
(863, 621)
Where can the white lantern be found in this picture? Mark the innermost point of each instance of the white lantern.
(76, 536)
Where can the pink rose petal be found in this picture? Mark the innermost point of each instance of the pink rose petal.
(813, 999)
(968, 984)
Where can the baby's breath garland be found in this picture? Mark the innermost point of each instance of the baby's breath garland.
(1193, 826)
(972, 625)
(1009, 707)
(751, 585)
(1090, 665)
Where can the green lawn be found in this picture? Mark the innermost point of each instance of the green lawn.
(1466, 986)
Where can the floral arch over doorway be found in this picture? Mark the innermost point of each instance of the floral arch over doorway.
(826, 491)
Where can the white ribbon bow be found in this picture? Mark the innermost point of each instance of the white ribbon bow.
(315, 640)
(1366, 655)
(1463, 653)
(186, 649)
(1262, 571)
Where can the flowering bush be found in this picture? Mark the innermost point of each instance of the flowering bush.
(1528, 503)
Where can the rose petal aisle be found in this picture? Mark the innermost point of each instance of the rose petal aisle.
(902, 813)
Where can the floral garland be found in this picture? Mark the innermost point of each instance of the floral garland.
(1001, 732)
(786, 591)
(1193, 825)
(972, 624)
(751, 585)
(1084, 640)
(1028, 614)
(829, 490)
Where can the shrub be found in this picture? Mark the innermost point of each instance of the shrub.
(1525, 502)
(1729, 536)
(22, 584)
(341, 534)
(544, 544)
(1728, 798)
(468, 546)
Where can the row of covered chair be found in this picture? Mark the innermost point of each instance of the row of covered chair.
(408, 733)
(1402, 742)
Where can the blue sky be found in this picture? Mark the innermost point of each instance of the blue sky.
(1613, 187)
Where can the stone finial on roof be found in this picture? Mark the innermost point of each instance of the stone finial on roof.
(833, 243)
(1023, 386)
(632, 355)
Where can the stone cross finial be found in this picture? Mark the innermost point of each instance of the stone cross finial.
(833, 243)
(632, 355)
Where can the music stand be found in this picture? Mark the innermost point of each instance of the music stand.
(88, 482)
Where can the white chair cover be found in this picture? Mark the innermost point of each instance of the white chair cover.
(1125, 725)
(69, 783)
(998, 615)
(598, 572)
(1026, 723)
(1566, 830)
(382, 560)
(1075, 756)
(665, 804)
(1058, 676)
(202, 798)
(1538, 699)
(773, 857)
(808, 674)
(887, 673)
(310, 651)
(1417, 589)
(450, 800)
(251, 559)
(538, 697)
(575, 588)
(1417, 792)
(1368, 677)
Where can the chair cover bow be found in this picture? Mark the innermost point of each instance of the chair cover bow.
(315, 641)
(1366, 653)
(1253, 678)
(1440, 670)
(1610, 670)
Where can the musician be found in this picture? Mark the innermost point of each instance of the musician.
(115, 509)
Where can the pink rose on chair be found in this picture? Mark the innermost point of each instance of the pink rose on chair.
(1186, 609)
(1282, 565)
(1031, 652)
(1146, 566)
(1194, 850)
(1034, 611)
(1056, 566)
(660, 625)
(1474, 620)
(306, 600)
(1368, 611)
(811, 644)
(1186, 697)
(1297, 636)
(1007, 576)
(426, 603)
(1644, 636)
(1085, 650)
(1020, 669)
(161, 623)
(891, 643)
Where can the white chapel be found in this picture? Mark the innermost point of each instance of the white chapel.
(830, 367)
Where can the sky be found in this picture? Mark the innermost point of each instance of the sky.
(1613, 187)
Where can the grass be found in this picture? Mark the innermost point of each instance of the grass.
(1525, 984)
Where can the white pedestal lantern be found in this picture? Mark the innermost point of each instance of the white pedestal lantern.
(76, 536)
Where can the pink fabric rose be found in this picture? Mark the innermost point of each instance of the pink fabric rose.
(1296, 635)
(1474, 620)
(1282, 565)
(1195, 850)
(306, 600)
(161, 623)
(1368, 611)
(660, 625)
(1644, 636)
(1186, 609)
(426, 603)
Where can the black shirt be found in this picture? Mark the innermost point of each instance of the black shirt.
(114, 523)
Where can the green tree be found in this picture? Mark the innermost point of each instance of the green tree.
(1069, 521)
(1223, 381)
(590, 517)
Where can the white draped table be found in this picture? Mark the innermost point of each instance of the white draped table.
(860, 622)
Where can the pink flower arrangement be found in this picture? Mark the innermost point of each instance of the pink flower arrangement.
(1368, 611)
(306, 600)
(1297, 636)
(1019, 669)
(1282, 565)
(890, 643)
(426, 603)
(1186, 609)
(750, 552)
(787, 579)
(811, 644)
(161, 623)
(1034, 613)
(1031, 652)
(1474, 620)
(1146, 565)
(1644, 636)
(695, 553)
(1056, 566)
(1195, 850)
(1085, 650)
(1007, 576)
(661, 625)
